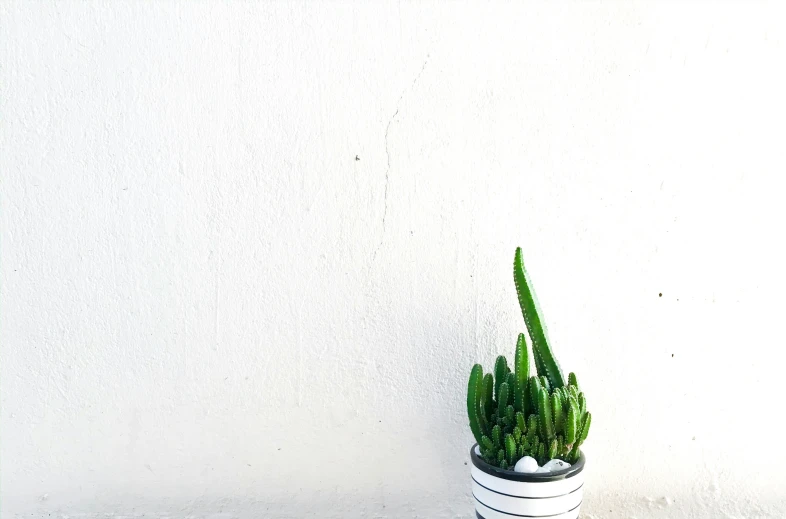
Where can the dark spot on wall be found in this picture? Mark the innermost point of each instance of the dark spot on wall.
(672, 355)
(660, 294)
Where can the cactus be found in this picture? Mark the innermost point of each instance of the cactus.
(522, 412)
(574, 454)
(487, 395)
(533, 427)
(502, 398)
(500, 374)
(557, 413)
(519, 397)
(473, 401)
(537, 332)
(546, 423)
(585, 425)
(553, 449)
(496, 436)
(534, 389)
(571, 424)
(521, 422)
(540, 368)
(521, 362)
(510, 449)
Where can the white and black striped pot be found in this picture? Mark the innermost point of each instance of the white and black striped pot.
(504, 494)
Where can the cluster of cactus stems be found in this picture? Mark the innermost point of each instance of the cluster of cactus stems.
(513, 414)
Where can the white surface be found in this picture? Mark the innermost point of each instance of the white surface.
(488, 513)
(209, 307)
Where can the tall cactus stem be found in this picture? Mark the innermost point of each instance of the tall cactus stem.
(531, 313)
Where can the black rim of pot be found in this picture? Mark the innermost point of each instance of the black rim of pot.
(528, 477)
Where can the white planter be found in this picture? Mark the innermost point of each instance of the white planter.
(504, 494)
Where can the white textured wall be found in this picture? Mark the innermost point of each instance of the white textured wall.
(209, 306)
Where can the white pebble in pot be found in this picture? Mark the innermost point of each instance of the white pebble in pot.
(527, 464)
(554, 465)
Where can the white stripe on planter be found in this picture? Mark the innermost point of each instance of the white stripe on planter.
(527, 506)
(489, 513)
(559, 487)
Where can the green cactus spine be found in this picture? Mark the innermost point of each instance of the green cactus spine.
(540, 368)
(537, 332)
(520, 397)
(521, 361)
(487, 395)
(585, 425)
(533, 427)
(574, 454)
(473, 401)
(553, 449)
(496, 436)
(534, 389)
(502, 397)
(500, 374)
(544, 410)
(571, 423)
(510, 449)
(557, 413)
(521, 423)
(541, 457)
(560, 448)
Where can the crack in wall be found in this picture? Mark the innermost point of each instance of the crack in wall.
(387, 155)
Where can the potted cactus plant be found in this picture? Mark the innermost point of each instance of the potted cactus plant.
(529, 427)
